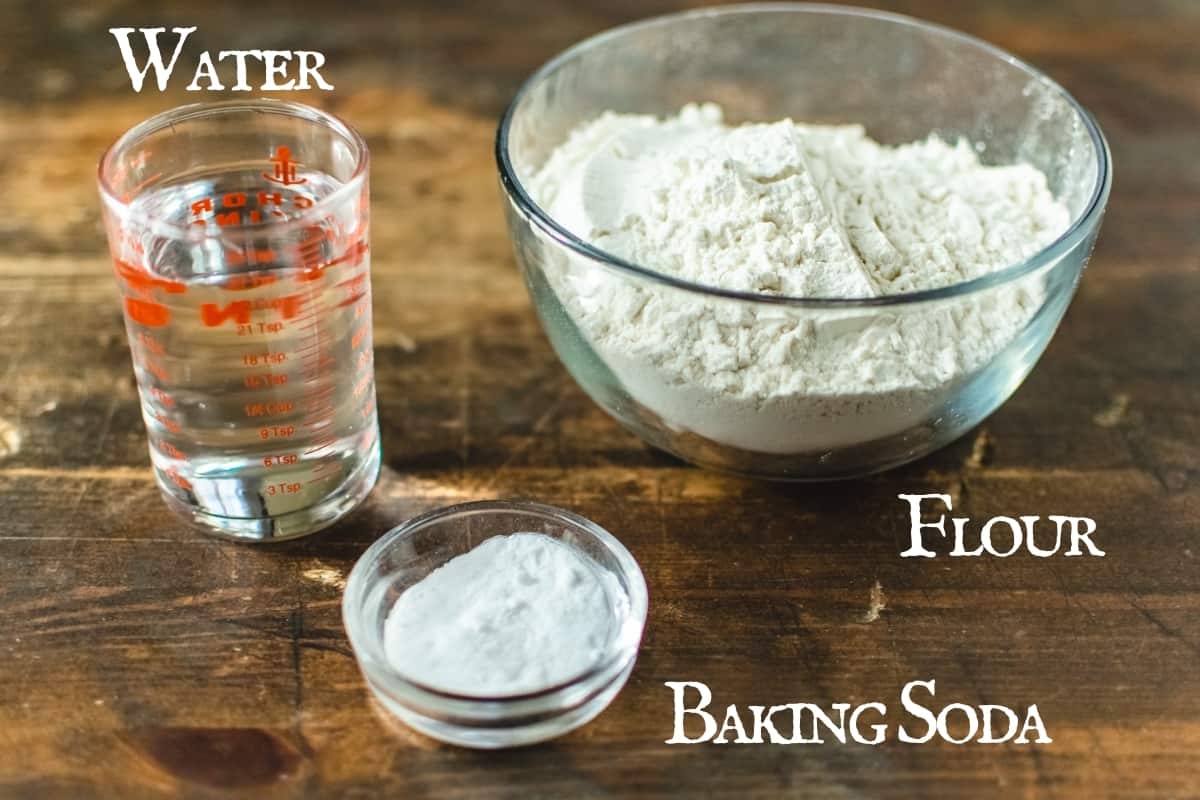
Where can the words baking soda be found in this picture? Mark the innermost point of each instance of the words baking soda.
(865, 723)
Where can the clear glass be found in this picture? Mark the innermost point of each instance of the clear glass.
(408, 553)
(239, 233)
(903, 80)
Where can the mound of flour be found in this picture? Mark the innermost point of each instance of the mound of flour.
(796, 210)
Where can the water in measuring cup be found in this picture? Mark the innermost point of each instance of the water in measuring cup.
(257, 387)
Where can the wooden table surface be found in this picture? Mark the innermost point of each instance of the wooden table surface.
(139, 659)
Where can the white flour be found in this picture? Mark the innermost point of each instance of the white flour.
(799, 210)
(516, 614)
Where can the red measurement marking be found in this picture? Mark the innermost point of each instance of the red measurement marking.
(321, 341)
(151, 344)
(147, 312)
(162, 397)
(313, 371)
(235, 207)
(311, 403)
(154, 368)
(360, 388)
(285, 168)
(318, 389)
(264, 381)
(213, 315)
(277, 432)
(140, 281)
(314, 399)
(255, 359)
(239, 311)
(354, 253)
(323, 475)
(280, 460)
(136, 189)
(288, 305)
(268, 409)
(231, 218)
(320, 442)
(323, 432)
(167, 422)
(309, 252)
(317, 371)
(170, 449)
(326, 410)
(314, 351)
(283, 488)
(358, 337)
(261, 328)
(355, 284)
(179, 480)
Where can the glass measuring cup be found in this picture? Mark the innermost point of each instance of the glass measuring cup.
(239, 232)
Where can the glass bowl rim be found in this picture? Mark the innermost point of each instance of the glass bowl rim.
(1081, 225)
(620, 653)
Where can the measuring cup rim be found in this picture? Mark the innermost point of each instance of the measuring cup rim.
(173, 116)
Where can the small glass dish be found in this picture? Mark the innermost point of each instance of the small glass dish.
(407, 553)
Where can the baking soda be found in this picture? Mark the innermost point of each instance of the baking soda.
(516, 614)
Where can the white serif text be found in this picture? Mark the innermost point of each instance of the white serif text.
(276, 67)
(999, 536)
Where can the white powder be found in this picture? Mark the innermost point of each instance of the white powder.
(798, 210)
(516, 614)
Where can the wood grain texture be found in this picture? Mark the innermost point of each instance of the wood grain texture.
(138, 659)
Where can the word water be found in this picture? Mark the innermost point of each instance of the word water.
(275, 65)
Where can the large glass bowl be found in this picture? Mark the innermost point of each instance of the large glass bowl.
(902, 79)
